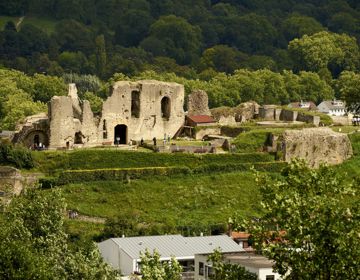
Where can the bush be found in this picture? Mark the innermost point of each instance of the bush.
(17, 156)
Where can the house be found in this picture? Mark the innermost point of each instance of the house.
(332, 107)
(309, 105)
(257, 264)
(241, 238)
(124, 253)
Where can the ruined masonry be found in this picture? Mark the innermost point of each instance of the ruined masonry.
(316, 146)
(134, 111)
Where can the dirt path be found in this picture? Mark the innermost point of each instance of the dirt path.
(19, 22)
(84, 218)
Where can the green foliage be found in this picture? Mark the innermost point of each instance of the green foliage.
(34, 245)
(95, 102)
(325, 50)
(228, 271)
(153, 268)
(348, 86)
(18, 156)
(310, 215)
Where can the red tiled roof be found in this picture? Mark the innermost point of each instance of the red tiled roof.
(201, 119)
(239, 235)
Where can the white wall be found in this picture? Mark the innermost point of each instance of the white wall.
(127, 264)
(110, 252)
(267, 271)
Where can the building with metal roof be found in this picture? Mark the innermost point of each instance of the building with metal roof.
(332, 107)
(124, 253)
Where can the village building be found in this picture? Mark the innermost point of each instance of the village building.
(332, 107)
(124, 253)
(257, 264)
(135, 110)
(308, 105)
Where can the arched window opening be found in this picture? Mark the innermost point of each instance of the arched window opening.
(135, 104)
(165, 108)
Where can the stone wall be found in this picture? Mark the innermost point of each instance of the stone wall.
(198, 103)
(160, 110)
(288, 115)
(200, 134)
(315, 120)
(316, 146)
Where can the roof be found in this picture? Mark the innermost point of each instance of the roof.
(250, 260)
(239, 235)
(332, 104)
(303, 104)
(176, 245)
(201, 119)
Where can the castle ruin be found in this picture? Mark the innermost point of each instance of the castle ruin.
(134, 111)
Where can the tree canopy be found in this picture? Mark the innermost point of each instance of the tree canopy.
(311, 224)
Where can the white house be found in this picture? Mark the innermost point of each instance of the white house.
(257, 264)
(332, 107)
(124, 253)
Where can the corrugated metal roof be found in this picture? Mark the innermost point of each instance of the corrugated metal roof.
(176, 245)
(201, 119)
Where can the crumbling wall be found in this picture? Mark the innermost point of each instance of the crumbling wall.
(315, 120)
(288, 115)
(198, 103)
(316, 146)
(153, 119)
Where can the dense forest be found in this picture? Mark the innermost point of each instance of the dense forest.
(267, 51)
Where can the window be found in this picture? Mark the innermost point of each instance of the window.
(201, 268)
(270, 277)
(135, 104)
(165, 108)
(104, 130)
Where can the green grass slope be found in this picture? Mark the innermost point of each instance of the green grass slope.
(178, 201)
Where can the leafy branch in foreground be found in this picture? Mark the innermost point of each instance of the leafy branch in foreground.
(311, 226)
(34, 245)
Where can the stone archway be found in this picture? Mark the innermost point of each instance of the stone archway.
(120, 134)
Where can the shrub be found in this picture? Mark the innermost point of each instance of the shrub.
(18, 156)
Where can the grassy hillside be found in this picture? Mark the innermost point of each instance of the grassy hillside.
(169, 202)
(182, 203)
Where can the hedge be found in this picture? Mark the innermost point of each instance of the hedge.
(75, 176)
(17, 156)
(51, 162)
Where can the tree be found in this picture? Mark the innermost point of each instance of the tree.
(152, 268)
(221, 58)
(348, 87)
(297, 26)
(34, 245)
(228, 271)
(336, 52)
(311, 223)
(100, 55)
(178, 38)
(46, 87)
